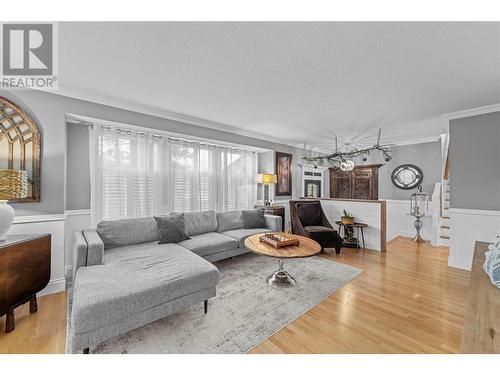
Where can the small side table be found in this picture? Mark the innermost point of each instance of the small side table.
(274, 210)
(349, 240)
(24, 271)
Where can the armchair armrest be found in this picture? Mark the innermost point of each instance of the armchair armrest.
(79, 251)
(273, 222)
(95, 247)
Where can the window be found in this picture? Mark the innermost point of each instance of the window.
(139, 173)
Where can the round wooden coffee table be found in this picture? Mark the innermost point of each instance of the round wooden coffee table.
(281, 278)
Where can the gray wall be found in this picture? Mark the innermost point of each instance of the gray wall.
(475, 162)
(49, 112)
(426, 156)
(77, 168)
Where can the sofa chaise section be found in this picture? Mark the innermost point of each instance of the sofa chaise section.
(136, 285)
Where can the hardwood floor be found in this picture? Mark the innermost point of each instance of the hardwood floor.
(407, 301)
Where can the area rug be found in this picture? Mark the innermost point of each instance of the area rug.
(245, 312)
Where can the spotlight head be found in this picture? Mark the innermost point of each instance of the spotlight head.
(365, 159)
(387, 159)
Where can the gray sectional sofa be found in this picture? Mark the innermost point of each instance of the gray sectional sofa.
(124, 279)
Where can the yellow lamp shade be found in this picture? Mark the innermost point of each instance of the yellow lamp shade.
(266, 178)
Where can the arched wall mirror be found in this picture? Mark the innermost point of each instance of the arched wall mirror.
(407, 176)
(19, 155)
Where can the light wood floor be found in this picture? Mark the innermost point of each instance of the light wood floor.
(407, 301)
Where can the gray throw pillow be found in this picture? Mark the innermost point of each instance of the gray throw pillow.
(254, 219)
(171, 228)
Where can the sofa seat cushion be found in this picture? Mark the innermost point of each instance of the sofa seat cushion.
(209, 243)
(242, 234)
(134, 279)
(318, 229)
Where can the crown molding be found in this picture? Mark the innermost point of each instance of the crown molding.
(192, 120)
(168, 115)
(473, 111)
(416, 141)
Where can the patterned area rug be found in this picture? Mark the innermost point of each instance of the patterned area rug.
(245, 312)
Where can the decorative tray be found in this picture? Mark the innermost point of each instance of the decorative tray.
(279, 239)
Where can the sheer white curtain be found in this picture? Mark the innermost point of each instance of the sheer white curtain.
(136, 173)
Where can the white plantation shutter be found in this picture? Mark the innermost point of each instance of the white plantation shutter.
(137, 173)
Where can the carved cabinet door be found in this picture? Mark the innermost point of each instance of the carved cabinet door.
(360, 183)
(340, 184)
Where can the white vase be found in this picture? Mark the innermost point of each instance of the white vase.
(6, 218)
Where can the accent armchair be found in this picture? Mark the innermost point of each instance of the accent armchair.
(309, 220)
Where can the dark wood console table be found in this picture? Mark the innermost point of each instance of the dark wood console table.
(24, 271)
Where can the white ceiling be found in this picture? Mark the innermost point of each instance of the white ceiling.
(299, 82)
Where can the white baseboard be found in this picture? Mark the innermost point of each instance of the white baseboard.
(461, 263)
(407, 234)
(54, 286)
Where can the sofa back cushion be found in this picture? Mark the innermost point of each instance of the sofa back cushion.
(127, 232)
(200, 222)
(229, 220)
(309, 213)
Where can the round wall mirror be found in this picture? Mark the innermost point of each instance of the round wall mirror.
(407, 176)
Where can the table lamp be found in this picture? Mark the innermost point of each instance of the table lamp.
(266, 179)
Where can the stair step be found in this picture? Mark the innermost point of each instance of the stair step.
(447, 200)
(445, 226)
(445, 217)
(445, 237)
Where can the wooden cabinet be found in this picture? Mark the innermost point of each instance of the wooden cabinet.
(24, 271)
(360, 183)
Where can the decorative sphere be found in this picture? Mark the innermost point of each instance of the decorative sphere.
(347, 165)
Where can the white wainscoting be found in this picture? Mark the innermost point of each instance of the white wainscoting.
(399, 223)
(466, 227)
(75, 220)
(53, 224)
(367, 212)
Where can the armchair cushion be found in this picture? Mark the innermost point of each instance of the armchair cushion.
(309, 214)
(318, 229)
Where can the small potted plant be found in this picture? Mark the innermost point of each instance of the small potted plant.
(347, 218)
